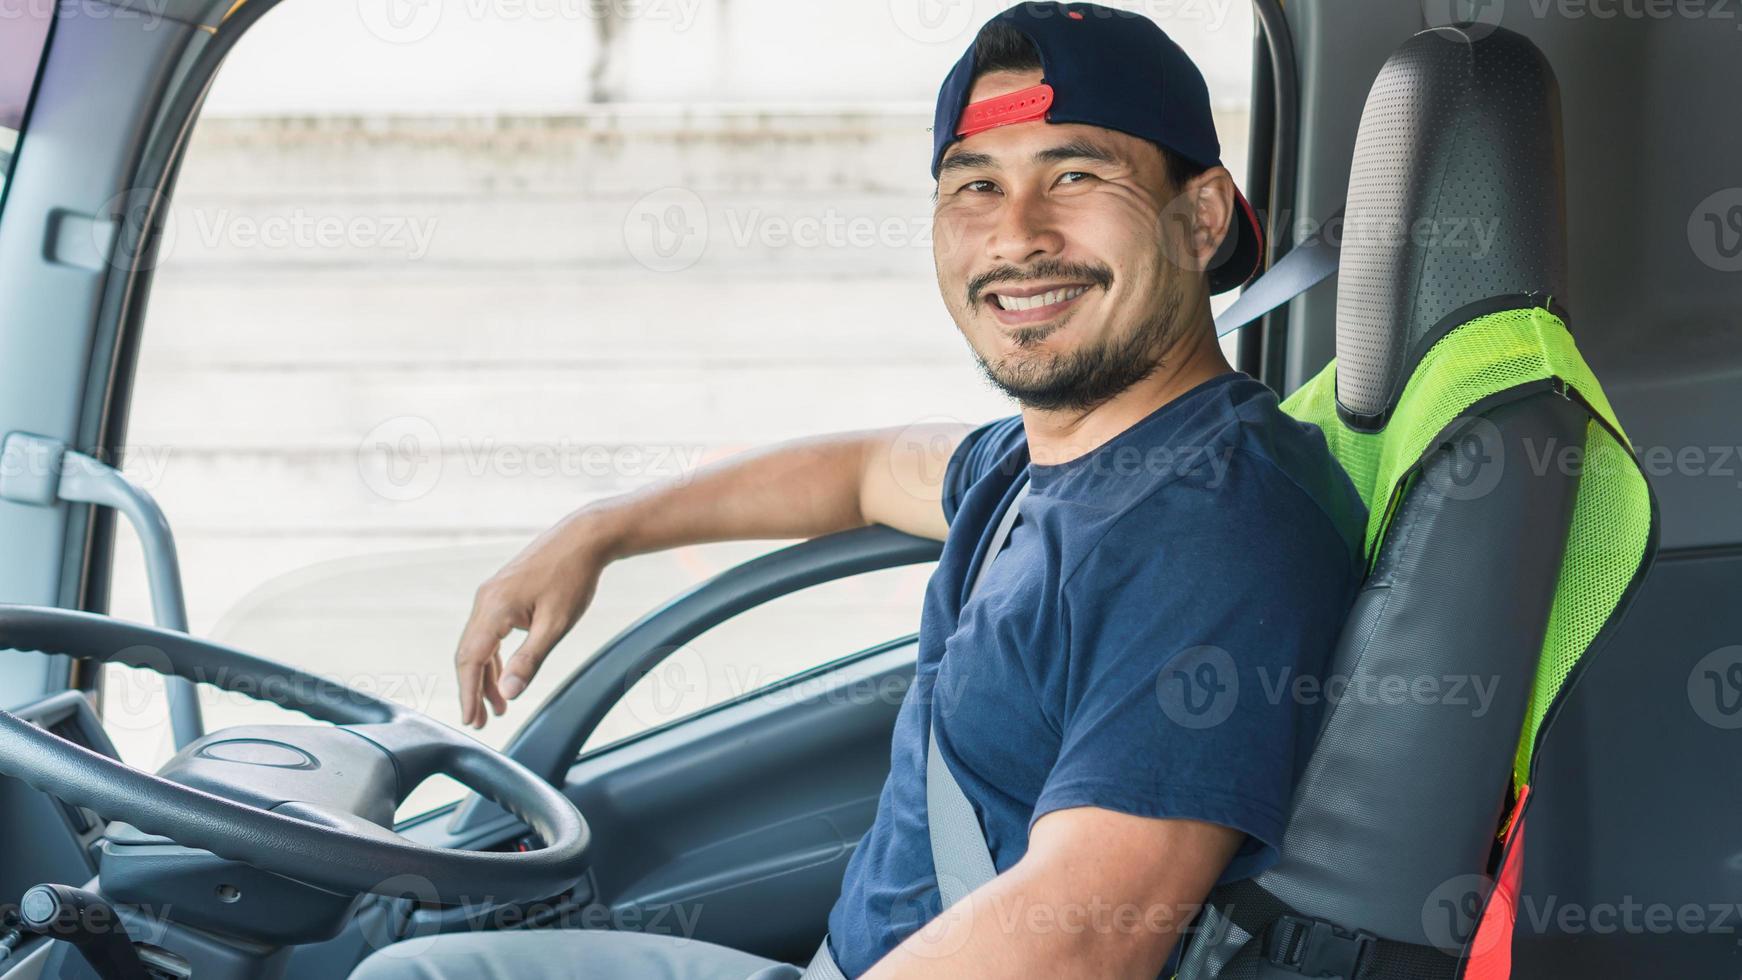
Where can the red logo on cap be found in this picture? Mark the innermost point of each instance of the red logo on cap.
(1021, 105)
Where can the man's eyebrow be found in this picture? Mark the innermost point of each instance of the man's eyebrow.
(964, 161)
(1077, 149)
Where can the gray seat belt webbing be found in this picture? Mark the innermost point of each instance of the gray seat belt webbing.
(823, 966)
(1000, 536)
(959, 853)
(1305, 266)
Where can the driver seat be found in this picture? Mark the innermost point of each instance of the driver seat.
(1509, 527)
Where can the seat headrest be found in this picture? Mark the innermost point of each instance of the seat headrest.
(1456, 199)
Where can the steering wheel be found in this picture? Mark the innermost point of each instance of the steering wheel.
(228, 791)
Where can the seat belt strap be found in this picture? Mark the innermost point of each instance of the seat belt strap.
(823, 965)
(1000, 536)
(1305, 266)
(959, 854)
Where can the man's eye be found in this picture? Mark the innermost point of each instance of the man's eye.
(979, 186)
(1074, 177)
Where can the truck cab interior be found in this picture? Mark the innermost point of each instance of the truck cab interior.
(1447, 167)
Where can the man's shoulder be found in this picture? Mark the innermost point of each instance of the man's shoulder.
(1241, 472)
(1248, 418)
(1290, 451)
(990, 448)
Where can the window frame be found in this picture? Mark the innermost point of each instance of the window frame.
(1271, 179)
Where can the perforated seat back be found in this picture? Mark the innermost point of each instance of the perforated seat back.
(1507, 526)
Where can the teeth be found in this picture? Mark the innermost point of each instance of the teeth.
(1047, 298)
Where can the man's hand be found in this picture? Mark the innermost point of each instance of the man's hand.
(543, 590)
(1098, 894)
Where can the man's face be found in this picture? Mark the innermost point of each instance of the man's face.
(1052, 245)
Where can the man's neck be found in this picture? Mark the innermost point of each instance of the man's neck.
(1061, 435)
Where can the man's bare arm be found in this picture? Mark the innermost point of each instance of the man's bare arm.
(798, 489)
(1099, 894)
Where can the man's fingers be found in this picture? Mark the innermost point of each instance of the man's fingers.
(488, 696)
(526, 660)
(470, 675)
(478, 647)
(492, 692)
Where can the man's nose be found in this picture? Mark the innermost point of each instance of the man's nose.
(1026, 231)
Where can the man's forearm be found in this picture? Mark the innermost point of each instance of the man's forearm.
(1013, 927)
(798, 489)
(1098, 894)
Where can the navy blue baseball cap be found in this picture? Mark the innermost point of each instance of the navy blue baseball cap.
(1117, 70)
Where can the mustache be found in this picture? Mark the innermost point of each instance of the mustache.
(1095, 275)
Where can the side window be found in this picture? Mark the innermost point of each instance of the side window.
(23, 41)
(487, 266)
(770, 644)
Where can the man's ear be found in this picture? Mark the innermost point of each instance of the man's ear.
(1197, 217)
(1208, 199)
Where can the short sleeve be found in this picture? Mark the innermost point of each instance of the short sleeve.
(1187, 628)
(976, 456)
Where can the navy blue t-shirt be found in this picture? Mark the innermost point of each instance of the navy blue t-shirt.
(1134, 647)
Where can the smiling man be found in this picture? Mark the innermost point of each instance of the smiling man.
(1108, 699)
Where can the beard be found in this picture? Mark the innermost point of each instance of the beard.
(1090, 375)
